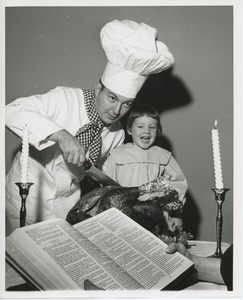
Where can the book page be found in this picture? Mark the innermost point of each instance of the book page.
(134, 248)
(63, 258)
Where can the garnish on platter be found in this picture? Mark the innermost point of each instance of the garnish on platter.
(177, 236)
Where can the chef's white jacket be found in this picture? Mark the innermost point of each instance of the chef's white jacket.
(55, 186)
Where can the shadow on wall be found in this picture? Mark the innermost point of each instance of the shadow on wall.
(165, 92)
(191, 214)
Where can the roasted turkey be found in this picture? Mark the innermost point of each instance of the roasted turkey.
(149, 213)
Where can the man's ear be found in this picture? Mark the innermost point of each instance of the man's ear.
(97, 89)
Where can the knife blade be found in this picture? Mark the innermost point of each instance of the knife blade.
(98, 175)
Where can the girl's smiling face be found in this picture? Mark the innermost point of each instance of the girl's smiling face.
(144, 131)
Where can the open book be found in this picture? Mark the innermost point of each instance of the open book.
(109, 249)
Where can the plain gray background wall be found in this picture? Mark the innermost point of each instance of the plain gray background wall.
(51, 46)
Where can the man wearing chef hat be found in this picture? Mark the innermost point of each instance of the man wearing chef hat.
(69, 125)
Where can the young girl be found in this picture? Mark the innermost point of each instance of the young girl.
(139, 162)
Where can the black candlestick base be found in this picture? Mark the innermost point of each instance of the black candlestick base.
(219, 198)
(23, 192)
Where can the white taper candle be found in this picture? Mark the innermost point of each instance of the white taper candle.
(25, 155)
(217, 158)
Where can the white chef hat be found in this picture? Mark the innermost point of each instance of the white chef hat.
(133, 53)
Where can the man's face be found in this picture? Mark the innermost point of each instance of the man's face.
(111, 106)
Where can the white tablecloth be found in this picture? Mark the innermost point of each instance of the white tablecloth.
(205, 248)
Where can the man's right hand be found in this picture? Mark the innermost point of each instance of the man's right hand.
(73, 151)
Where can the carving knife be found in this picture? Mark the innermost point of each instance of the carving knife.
(98, 175)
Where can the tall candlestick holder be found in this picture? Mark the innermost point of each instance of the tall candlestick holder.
(219, 198)
(23, 192)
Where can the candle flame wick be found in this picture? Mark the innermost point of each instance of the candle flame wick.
(215, 124)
